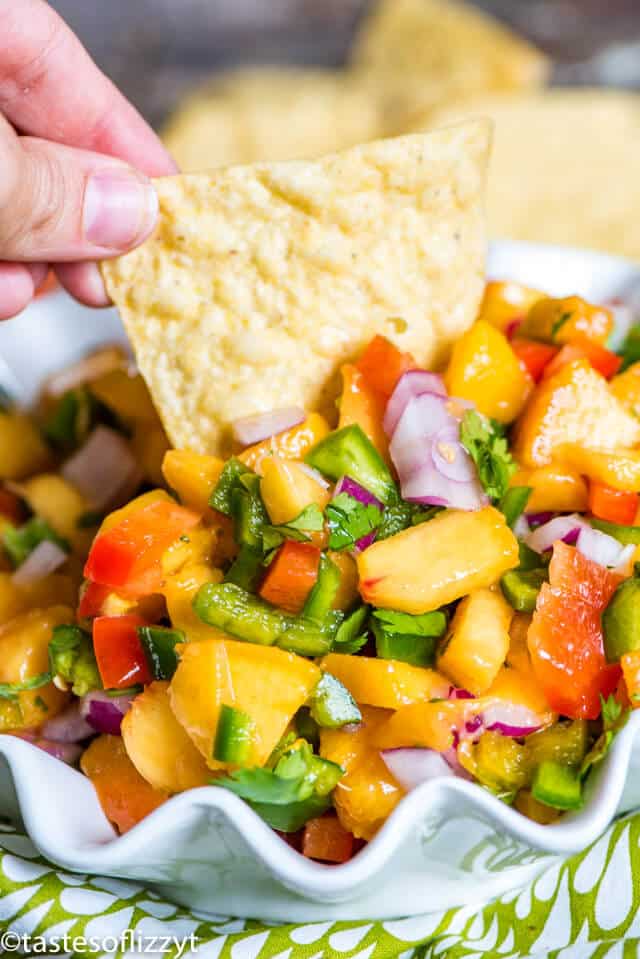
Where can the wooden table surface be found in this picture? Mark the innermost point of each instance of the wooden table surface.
(156, 49)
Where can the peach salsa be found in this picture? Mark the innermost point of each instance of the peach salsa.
(445, 585)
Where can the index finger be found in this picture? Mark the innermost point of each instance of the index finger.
(51, 88)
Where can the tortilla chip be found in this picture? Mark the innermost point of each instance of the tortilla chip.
(260, 281)
(565, 167)
(432, 51)
(272, 114)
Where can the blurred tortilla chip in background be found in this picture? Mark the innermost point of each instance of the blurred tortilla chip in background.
(261, 280)
(565, 166)
(408, 56)
(438, 50)
(272, 113)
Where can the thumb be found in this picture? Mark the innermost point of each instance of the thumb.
(60, 204)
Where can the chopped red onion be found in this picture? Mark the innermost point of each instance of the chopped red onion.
(46, 558)
(357, 492)
(411, 384)
(515, 731)
(101, 467)
(521, 528)
(456, 692)
(433, 466)
(260, 426)
(315, 475)
(104, 713)
(89, 368)
(430, 488)
(412, 767)
(450, 457)
(365, 541)
(450, 756)
(565, 528)
(539, 519)
(68, 727)
(601, 548)
(423, 417)
(511, 719)
(66, 752)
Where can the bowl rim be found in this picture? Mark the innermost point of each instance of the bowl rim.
(572, 833)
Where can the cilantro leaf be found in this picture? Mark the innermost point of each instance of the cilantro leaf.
(20, 542)
(486, 444)
(403, 515)
(11, 690)
(349, 638)
(295, 790)
(349, 521)
(425, 624)
(614, 718)
(310, 520)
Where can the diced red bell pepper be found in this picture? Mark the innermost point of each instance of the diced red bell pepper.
(614, 505)
(291, 576)
(128, 556)
(534, 356)
(92, 597)
(326, 840)
(382, 364)
(604, 361)
(565, 637)
(119, 653)
(11, 506)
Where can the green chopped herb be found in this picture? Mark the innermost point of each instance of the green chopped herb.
(407, 638)
(11, 690)
(19, 542)
(40, 703)
(349, 521)
(298, 788)
(72, 658)
(403, 515)
(310, 520)
(614, 718)
(349, 638)
(69, 424)
(487, 445)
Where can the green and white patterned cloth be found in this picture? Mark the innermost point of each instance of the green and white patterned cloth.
(584, 908)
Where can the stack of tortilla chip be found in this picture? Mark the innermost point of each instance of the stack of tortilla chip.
(408, 56)
(565, 164)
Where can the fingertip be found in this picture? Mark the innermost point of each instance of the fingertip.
(84, 282)
(16, 289)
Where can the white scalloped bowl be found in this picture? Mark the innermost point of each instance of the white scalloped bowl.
(449, 842)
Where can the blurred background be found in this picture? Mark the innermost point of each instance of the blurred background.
(559, 79)
(155, 50)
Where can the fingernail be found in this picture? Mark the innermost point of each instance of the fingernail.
(120, 209)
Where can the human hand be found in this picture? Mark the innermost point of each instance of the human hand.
(75, 158)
